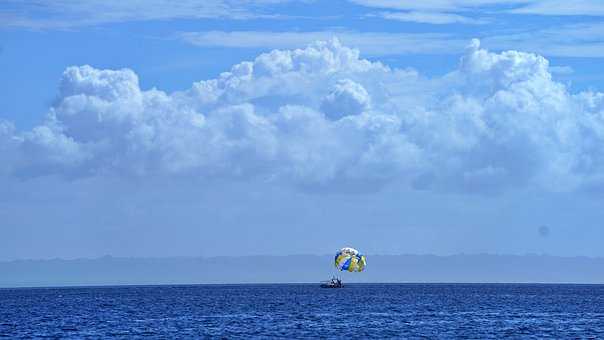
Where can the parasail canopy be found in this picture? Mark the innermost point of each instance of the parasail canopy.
(349, 259)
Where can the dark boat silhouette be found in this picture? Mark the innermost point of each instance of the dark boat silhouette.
(333, 283)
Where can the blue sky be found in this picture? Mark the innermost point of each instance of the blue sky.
(378, 124)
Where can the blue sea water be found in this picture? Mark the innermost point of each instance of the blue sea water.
(306, 311)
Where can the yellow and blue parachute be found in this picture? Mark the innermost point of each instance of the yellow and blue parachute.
(349, 259)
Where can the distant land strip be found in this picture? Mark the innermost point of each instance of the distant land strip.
(480, 268)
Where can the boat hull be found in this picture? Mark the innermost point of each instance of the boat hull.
(326, 285)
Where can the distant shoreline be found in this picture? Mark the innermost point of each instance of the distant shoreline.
(407, 269)
(307, 284)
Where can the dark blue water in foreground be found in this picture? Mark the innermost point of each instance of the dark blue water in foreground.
(305, 311)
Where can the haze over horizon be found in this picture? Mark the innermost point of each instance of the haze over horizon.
(261, 128)
(278, 269)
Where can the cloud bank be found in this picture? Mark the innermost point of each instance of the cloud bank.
(324, 117)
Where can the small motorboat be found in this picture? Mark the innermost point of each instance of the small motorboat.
(333, 283)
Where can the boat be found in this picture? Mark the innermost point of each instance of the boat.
(333, 283)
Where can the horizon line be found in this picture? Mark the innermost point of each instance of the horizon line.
(108, 256)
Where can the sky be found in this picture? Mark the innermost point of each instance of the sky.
(277, 127)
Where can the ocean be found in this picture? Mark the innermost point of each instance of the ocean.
(305, 311)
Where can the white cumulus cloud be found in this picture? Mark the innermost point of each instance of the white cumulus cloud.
(322, 117)
(347, 98)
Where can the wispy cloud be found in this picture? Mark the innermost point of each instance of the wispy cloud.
(538, 7)
(371, 43)
(437, 5)
(429, 17)
(561, 70)
(574, 40)
(41, 14)
(563, 7)
(63, 14)
(583, 40)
